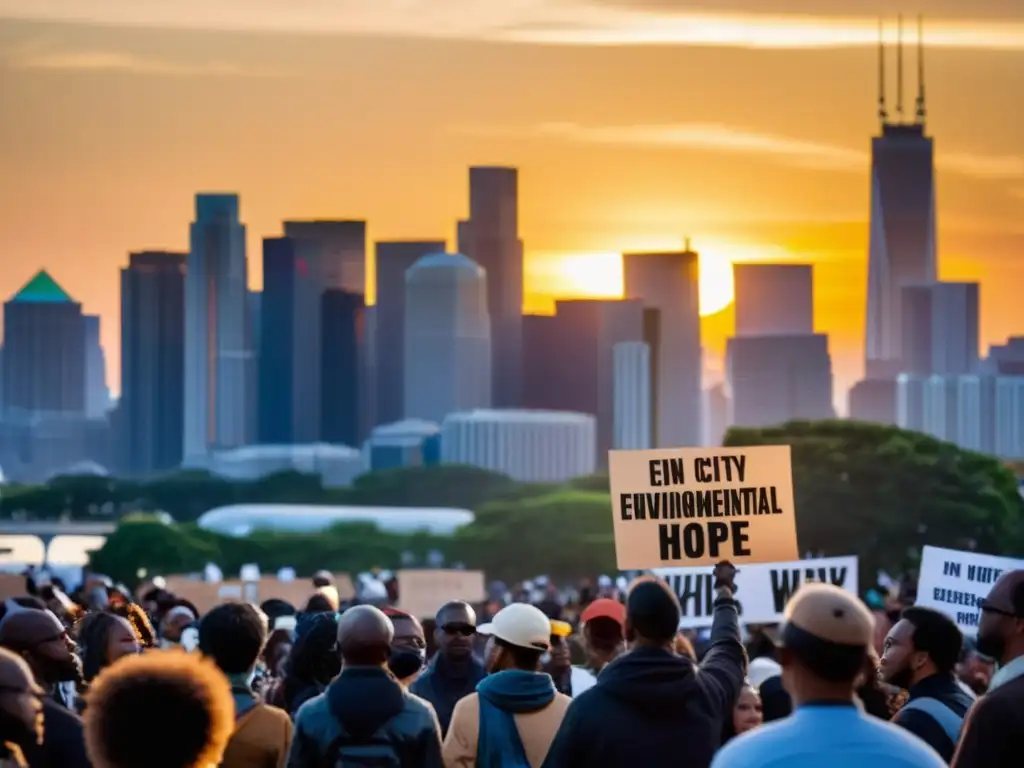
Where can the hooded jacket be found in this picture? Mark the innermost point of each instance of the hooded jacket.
(652, 708)
(366, 704)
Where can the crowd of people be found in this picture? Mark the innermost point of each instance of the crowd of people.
(113, 680)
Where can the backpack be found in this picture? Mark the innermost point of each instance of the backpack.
(374, 752)
(948, 720)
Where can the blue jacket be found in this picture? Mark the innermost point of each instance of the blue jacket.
(443, 690)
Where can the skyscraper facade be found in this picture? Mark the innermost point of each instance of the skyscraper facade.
(669, 283)
(774, 299)
(342, 347)
(342, 265)
(218, 342)
(956, 327)
(901, 248)
(393, 260)
(491, 238)
(447, 337)
(44, 351)
(631, 387)
(97, 396)
(152, 405)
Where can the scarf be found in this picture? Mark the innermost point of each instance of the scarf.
(503, 695)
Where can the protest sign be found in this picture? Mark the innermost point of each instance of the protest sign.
(422, 591)
(699, 506)
(954, 582)
(762, 590)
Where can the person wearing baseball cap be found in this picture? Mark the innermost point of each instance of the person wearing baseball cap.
(824, 645)
(515, 713)
(604, 635)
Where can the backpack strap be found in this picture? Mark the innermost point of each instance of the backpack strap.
(948, 720)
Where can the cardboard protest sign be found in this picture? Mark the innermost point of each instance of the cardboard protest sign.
(422, 592)
(762, 590)
(699, 506)
(206, 594)
(954, 582)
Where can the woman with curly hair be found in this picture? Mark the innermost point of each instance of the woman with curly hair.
(102, 639)
(140, 622)
(313, 662)
(181, 691)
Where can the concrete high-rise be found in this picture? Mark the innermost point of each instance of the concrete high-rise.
(342, 265)
(632, 391)
(490, 237)
(97, 395)
(775, 379)
(901, 248)
(218, 343)
(940, 328)
(342, 351)
(669, 282)
(447, 337)
(44, 351)
(393, 260)
(774, 299)
(152, 405)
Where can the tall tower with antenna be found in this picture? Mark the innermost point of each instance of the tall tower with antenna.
(901, 248)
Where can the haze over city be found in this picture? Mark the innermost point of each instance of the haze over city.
(633, 124)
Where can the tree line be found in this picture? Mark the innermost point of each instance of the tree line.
(870, 490)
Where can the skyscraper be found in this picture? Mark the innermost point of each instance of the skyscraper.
(343, 243)
(97, 396)
(940, 328)
(393, 260)
(774, 299)
(342, 346)
(490, 237)
(44, 350)
(152, 405)
(902, 240)
(218, 343)
(447, 337)
(632, 392)
(669, 282)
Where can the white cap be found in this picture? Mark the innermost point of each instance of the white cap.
(522, 625)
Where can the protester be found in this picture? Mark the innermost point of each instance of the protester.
(557, 662)
(454, 671)
(877, 698)
(603, 637)
(21, 711)
(43, 642)
(159, 710)
(174, 623)
(650, 707)
(974, 671)
(365, 716)
(993, 734)
(103, 638)
(920, 654)
(408, 648)
(232, 635)
(513, 717)
(313, 662)
(746, 715)
(139, 621)
(824, 644)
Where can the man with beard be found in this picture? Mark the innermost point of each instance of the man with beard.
(994, 732)
(21, 711)
(43, 642)
(454, 672)
(919, 656)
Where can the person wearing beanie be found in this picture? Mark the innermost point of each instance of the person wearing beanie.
(515, 713)
(824, 646)
(182, 696)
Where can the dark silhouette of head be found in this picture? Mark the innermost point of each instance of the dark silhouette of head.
(233, 635)
(365, 635)
(652, 613)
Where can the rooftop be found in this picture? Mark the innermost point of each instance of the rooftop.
(42, 289)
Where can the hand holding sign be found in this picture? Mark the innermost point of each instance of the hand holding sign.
(725, 577)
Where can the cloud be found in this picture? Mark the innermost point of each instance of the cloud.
(722, 138)
(40, 56)
(555, 22)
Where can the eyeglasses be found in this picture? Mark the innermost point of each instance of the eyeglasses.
(987, 607)
(465, 630)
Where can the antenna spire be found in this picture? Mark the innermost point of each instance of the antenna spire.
(883, 113)
(920, 72)
(899, 69)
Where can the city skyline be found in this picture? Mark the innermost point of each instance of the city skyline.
(102, 160)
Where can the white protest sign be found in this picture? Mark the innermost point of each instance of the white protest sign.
(762, 589)
(954, 582)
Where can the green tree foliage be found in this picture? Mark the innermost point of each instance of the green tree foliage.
(882, 492)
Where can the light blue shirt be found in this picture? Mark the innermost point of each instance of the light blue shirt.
(835, 736)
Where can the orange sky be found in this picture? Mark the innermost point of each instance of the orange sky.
(747, 132)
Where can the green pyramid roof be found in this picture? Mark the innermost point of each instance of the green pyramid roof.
(42, 289)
